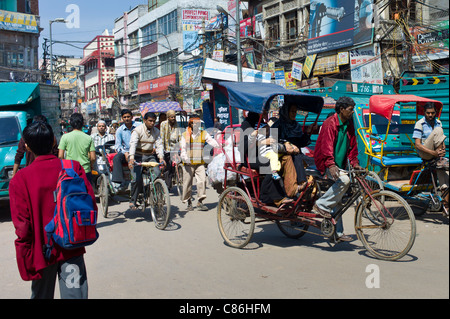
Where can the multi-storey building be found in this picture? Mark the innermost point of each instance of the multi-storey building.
(151, 46)
(19, 34)
(99, 78)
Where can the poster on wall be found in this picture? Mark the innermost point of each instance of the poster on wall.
(365, 64)
(336, 24)
(192, 23)
(297, 69)
(431, 42)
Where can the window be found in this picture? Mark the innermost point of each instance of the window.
(109, 63)
(118, 48)
(273, 32)
(149, 34)
(168, 23)
(133, 81)
(149, 69)
(291, 26)
(168, 62)
(133, 38)
(110, 89)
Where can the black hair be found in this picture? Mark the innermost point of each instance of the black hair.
(76, 121)
(125, 111)
(38, 118)
(429, 105)
(39, 137)
(149, 114)
(343, 102)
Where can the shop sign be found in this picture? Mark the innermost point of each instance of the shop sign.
(16, 21)
(156, 85)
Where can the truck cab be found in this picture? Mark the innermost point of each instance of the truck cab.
(19, 103)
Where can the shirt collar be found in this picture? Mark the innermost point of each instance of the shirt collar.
(44, 158)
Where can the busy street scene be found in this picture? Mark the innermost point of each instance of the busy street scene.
(225, 156)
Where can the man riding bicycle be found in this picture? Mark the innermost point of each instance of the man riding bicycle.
(336, 145)
(145, 146)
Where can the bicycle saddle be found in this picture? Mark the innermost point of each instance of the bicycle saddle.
(149, 164)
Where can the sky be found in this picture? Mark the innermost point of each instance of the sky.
(94, 17)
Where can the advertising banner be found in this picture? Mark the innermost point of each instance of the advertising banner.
(365, 64)
(336, 24)
(16, 21)
(297, 69)
(192, 22)
(431, 42)
(309, 63)
(228, 72)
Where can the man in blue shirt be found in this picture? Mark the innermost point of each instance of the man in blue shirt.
(429, 140)
(122, 146)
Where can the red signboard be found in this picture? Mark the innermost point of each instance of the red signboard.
(157, 85)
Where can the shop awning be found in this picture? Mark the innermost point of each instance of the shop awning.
(159, 107)
(14, 93)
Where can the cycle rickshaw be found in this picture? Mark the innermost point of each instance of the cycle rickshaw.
(155, 194)
(384, 222)
(391, 151)
(172, 159)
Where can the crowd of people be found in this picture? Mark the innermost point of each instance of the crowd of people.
(31, 189)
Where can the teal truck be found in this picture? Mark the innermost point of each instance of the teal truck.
(19, 102)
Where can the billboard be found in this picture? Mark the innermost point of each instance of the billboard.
(16, 21)
(336, 24)
(365, 64)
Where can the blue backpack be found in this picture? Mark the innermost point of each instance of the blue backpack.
(74, 223)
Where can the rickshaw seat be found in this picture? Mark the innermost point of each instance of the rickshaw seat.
(406, 160)
(249, 171)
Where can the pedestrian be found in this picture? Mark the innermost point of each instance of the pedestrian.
(113, 127)
(192, 145)
(102, 136)
(145, 146)
(22, 150)
(122, 146)
(32, 208)
(78, 146)
(171, 137)
(335, 146)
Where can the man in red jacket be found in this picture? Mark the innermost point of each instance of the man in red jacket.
(335, 145)
(32, 207)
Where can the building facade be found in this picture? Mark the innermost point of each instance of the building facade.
(149, 57)
(19, 40)
(367, 41)
(99, 77)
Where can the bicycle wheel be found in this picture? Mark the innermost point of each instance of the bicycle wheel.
(374, 181)
(160, 209)
(386, 226)
(179, 180)
(235, 217)
(103, 194)
(292, 229)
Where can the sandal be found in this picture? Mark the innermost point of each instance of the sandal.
(132, 206)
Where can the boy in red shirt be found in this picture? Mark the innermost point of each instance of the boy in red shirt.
(32, 207)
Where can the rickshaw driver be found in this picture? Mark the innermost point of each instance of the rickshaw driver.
(145, 143)
(429, 141)
(336, 143)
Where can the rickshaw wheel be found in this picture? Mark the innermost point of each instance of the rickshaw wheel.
(292, 229)
(103, 194)
(235, 217)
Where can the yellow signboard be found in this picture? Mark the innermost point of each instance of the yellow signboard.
(16, 21)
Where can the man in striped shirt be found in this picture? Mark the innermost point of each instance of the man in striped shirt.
(429, 140)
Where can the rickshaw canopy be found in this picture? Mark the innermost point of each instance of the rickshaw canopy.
(256, 97)
(159, 107)
(384, 104)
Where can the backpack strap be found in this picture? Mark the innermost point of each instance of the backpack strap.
(67, 165)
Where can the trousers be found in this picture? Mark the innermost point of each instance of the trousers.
(72, 280)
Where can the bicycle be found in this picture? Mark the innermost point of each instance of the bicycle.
(155, 195)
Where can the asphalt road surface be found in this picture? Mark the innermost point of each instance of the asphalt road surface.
(189, 260)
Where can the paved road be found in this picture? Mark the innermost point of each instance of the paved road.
(132, 259)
